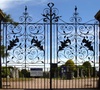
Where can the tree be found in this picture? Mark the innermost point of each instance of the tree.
(87, 68)
(70, 65)
(25, 73)
(87, 64)
(7, 18)
(3, 53)
(5, 72)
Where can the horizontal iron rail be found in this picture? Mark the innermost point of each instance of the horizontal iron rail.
(55, 23)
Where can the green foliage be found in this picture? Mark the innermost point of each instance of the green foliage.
(87, 64)
(3, 53)
(5, 72)
(7, 17)
(24, 73)
(88, 70)
(70, 64)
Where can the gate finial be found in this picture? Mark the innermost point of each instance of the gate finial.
(50, 4)
(25, 8)
(75, 8)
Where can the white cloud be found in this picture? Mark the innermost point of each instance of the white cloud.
(7, 4)
(4, 4)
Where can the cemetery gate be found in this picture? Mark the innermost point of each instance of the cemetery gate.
(51, 53)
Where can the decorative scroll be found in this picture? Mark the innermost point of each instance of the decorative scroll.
(76, 41)
(50, 13)
(25, 41)
(29, 42)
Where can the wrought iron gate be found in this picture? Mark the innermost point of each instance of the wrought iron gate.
(38, 52)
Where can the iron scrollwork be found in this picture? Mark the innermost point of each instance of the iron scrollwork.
(37, 43)
(50, 13)
(76, 40)
(64, 44)
(25, 41)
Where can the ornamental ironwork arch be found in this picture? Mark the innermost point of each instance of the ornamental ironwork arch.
(74, 40)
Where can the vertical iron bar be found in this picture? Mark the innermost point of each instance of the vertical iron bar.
(76, 35)
(6, 54)
(57, 54)
(47, 44)
(25, 40)
(94, 57)
(50, 48)
(1, 19)
(0, 58)
(44, 53)
(97, 17)
(76, 41)
(99, 56)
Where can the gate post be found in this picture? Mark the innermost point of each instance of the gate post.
(97, 17)
(51, 16)
(50, 43)
(1, 19)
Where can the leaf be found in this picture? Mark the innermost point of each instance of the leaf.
(64, 36)
(38, 31)
(38, 58)
(64, 32)
(60, 48)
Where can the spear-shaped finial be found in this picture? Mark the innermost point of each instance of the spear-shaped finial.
(75, 8)
(25, 8)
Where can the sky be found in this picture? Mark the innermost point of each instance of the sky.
(86, 8)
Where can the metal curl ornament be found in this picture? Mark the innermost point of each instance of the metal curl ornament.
(50, 14)
(86, 30)
(76, 18)
(65, 29)
(25, 18)
(36, 29)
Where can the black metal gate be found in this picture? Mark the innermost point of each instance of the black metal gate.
(50, 53)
